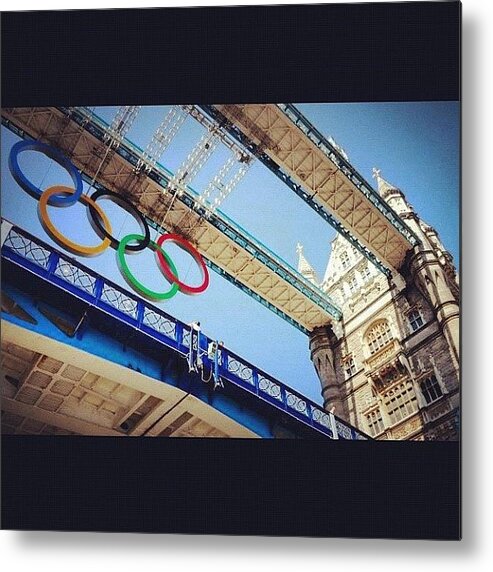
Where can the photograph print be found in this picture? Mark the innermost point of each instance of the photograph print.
(258, 270)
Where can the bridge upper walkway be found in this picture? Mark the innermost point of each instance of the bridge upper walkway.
(288, 144)
(227, 248)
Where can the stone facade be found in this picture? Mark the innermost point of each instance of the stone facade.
(391, 366)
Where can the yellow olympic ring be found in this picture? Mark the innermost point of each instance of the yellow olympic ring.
(73, 247)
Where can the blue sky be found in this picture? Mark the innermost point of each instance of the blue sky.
(416, 146)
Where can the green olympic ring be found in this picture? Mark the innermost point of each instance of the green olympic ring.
(130, 278)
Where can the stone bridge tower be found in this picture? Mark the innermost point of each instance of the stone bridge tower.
(391, 366)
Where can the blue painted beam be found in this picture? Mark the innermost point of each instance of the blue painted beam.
(169, 368)
(41, 260)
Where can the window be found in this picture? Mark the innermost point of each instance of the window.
(375, 422)
(401, 402)
(431, 390)
(378, 336)
(345, 260)
(365, 274)
(353, 285)
(349, 366)
(415, 320)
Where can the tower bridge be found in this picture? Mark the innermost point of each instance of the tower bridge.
(286, 142)
(376, 367)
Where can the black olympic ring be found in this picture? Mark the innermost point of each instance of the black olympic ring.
(98, 224)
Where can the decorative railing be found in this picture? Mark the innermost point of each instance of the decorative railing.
(159, 323)
(27, 248)
(27, 251)
(75, 276)
(270, 387)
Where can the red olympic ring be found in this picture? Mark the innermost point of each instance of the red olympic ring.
(171, 276)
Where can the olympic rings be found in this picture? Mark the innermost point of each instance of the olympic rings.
(168, 271)
(62, 196)
(52, 153)
(146, 292)
(57, 236)
(100, 228)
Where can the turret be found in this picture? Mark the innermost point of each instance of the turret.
(304, 267)
(430, 267)
(393, 195)
(322, 341)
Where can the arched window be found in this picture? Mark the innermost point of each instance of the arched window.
(353, 284)
(378, 335)
(345, 263)
(349, 366)
(375, 422)
(401, 402)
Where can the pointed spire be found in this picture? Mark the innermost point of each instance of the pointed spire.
(304, 267)
(384, 187)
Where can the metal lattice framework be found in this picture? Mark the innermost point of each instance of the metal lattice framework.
(28, 248)
(285, 141)
(162, 137)
(195, 161)
(227, 248)
(123, 120)
(223, 183)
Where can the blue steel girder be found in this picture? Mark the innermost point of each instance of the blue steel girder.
(40, 259)
(344, 166)
(132, 154)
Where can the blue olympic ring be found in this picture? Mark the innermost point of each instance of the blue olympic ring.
(57, 200)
